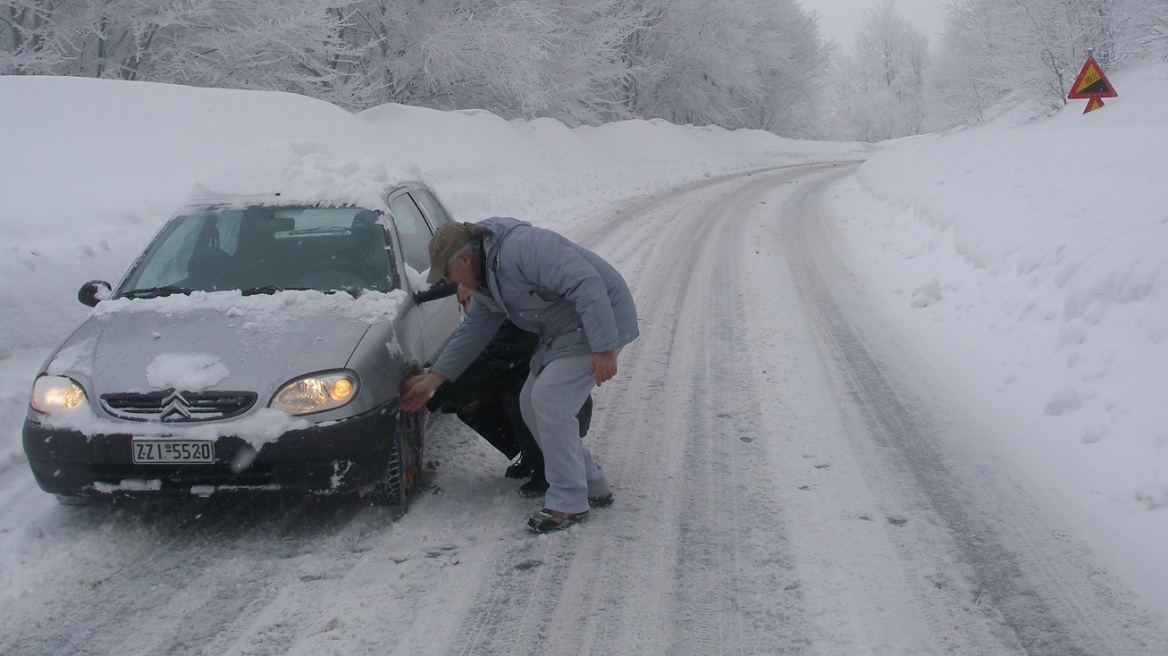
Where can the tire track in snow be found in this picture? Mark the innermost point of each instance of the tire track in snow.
(212, 566)
(723, 544)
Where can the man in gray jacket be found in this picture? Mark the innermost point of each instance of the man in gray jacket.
(583, 312)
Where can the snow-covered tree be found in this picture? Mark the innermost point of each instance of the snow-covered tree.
(725, 63)
(589, 73)
(735, 63)
(1026, 50)
(293, 46)
(879, 92)
(967, 77)
(791, 65)
(100, 38)
(467, 54)
(520, 59)
(1146, 28)
(289, 46)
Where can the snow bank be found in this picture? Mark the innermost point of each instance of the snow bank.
(1030, 262)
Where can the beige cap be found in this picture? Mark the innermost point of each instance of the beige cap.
(448, 240)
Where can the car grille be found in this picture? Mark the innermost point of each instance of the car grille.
(173, 406)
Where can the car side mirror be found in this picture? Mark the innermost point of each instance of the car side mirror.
(436, 292)
(94, 292)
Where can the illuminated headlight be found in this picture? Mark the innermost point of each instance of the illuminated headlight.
(316, 393)
(56, 394)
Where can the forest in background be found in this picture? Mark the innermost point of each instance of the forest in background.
(731, 63)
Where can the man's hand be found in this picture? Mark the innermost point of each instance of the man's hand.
(603, 366)
(419, 389)
(464, 298)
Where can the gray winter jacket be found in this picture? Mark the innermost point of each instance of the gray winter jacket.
(574, 300)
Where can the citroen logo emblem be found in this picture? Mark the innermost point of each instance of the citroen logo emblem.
(175, 408)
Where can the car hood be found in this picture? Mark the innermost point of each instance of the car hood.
(257, 346)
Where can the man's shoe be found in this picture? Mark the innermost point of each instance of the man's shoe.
(533, 489)
(548, 520)
(518, 469)
(601, 500)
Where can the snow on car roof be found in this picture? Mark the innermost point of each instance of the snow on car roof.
(298, 173)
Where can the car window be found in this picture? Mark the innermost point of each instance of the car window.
(327, 249)
(165, 263)
(433, 208)
(413, 232)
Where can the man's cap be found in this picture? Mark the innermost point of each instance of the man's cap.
(448, 240)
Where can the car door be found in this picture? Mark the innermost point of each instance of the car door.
(437, 216)
(438, 318)
(435, 213)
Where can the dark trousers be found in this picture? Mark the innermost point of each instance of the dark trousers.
(486, 397)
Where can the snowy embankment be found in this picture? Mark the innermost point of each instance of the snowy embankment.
(1028, 260)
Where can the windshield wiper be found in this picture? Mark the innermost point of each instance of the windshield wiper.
(323, 230)
(355, 292)
(271, 289)
(155, 292)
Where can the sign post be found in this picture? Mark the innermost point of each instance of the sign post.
(1093, 85)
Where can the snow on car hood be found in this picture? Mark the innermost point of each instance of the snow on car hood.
(218, 340)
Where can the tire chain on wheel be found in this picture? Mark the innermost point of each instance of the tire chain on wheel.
(401, 477)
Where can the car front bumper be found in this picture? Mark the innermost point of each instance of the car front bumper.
(332, 458)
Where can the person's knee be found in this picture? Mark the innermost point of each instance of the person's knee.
(547, 404)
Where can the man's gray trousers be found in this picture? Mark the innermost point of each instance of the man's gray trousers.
(549, 402)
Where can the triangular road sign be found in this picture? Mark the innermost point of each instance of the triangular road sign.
(1092, 83)
(1093, 103)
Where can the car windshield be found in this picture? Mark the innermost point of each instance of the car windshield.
(264, 250)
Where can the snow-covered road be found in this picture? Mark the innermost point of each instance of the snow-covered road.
(791, 477)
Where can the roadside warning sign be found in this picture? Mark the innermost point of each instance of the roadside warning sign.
(1093, 103)
(1093, 85)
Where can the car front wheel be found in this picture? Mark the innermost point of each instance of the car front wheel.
(403, 476)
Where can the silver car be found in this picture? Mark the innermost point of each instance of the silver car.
(257, 347)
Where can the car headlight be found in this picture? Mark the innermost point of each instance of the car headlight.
(56, 394)
(316, 393)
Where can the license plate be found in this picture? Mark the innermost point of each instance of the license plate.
(147, 452)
